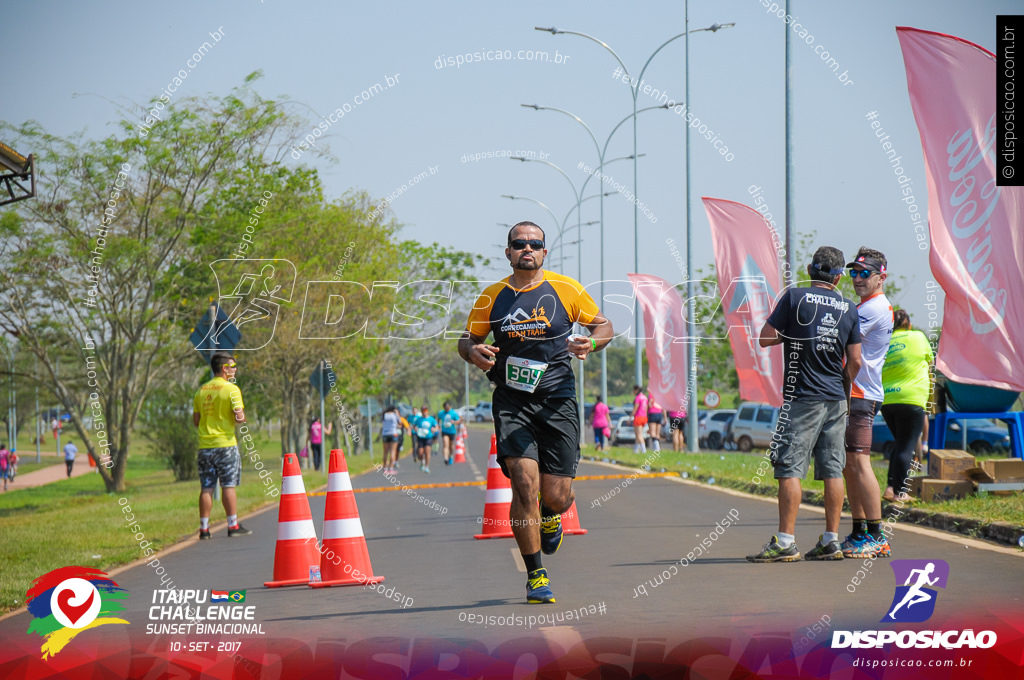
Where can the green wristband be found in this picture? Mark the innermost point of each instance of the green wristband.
(593, 345)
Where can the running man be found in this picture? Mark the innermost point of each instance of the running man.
(875, 312)
(449, 430)
(216, 409)
(531, 315)
(915, 595)
(425, 429)
(818, 328)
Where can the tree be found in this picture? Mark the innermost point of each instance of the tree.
(92, 269)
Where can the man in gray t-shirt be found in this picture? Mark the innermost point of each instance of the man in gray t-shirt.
(820, 333)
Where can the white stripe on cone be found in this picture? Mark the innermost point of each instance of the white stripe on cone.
(343, 528)
(292, 484)
(498, 496)
(492, 462)
(302, 529)
(338, 481)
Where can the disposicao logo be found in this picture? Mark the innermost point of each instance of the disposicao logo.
(914, 602)
(916, 576)
(70, 600)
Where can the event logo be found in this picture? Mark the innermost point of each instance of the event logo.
(251, 292)
(70, 600)
(914, 601)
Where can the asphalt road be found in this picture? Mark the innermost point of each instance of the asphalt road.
(635, 543)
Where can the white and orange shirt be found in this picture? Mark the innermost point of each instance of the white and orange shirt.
(875, 332)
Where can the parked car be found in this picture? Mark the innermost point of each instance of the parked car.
(623, 433)
(615, 415)
(465, 413)
(983, 436)
(753, 425)
(482, 412)
(712, 428)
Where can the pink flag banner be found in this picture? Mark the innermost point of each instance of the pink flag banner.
(665, 320)
(746, 260)
(977, 239)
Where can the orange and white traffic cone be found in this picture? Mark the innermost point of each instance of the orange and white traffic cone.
(498, 499)
(345, 559)
(460, 450)
(296, 550)
(571, 521)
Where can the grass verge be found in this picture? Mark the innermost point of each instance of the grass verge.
(740, 471)
(75, 521)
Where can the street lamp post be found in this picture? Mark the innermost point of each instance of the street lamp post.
(600, 169)
(634, 92)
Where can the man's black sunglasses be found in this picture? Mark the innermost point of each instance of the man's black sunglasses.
(519, 244)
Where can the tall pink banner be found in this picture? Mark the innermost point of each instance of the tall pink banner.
(746, 260)
(977, 252)
(665, 315)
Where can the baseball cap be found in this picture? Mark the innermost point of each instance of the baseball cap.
(868, 263)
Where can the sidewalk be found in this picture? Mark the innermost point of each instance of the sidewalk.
(47, 475)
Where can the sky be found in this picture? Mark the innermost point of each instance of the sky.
(436, 115)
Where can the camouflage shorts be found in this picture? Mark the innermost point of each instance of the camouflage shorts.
(223, 463)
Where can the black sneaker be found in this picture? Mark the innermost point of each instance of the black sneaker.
(204, 535)
(832, 551)
(238, 530)
(773, 552)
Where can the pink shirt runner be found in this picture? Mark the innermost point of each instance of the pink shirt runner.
(601, 415)
(640, 406)
(315, 433)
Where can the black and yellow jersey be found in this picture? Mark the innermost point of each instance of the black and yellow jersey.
(531, 327)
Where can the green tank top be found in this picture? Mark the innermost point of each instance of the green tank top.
(906, 374)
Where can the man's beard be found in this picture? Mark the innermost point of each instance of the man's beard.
(528, 265)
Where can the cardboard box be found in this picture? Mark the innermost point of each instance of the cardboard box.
(915, 486)
(950, 464)
(933, 490)
(1004, 470)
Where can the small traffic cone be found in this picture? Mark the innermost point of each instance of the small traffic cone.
(498, 499)
(571, 522)
(345, 560)
(296, 550)
(460, 450)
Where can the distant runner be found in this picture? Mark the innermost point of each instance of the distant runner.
(531, 315)
(449, 430)
(425, 429)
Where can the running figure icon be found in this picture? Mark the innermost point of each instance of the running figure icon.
(915, 595)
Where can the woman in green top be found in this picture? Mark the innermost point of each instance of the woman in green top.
(906, 378)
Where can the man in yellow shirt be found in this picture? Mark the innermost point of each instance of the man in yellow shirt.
(216, 409)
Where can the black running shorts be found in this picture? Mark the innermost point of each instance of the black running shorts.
(544, 429)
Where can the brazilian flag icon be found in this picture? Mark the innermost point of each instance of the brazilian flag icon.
(237, 596)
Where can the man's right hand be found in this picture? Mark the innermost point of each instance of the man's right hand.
(482, 356)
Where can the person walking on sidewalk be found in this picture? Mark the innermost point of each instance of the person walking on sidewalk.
(600, 423)
(70, 451)
(5, 462)
(536, 415)
(818, 329)
(216, 409)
